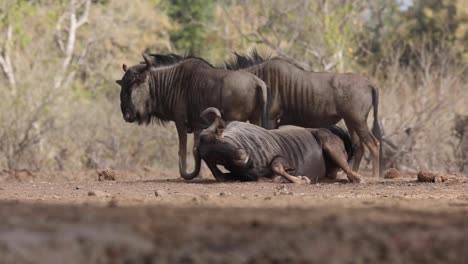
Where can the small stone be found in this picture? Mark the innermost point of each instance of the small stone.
(159, 193)
(282, 190)
(267, 198)
(106, 175)
(98, 193)
(77, 188)
(391, 173)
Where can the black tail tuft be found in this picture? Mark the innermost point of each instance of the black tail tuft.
(346, 138)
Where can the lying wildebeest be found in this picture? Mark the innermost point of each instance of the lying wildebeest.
(250, 152)
(318, 99)
(174, 88)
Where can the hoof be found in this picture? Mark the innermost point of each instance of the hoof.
(358, 181)
(304, 180)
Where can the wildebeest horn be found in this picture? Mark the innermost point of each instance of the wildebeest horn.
(124, 67)
(119, 82)
(147, 59)
(218, 124)
(213, 110)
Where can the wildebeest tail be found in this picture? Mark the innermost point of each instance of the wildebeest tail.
(376, 127)
(263, 96)
(346, 138)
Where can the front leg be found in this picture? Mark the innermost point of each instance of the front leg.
(182, 133)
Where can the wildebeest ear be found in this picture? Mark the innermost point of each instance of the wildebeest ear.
(119, 82)
(124, 67)
(147, 59)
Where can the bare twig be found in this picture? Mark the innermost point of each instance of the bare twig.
(75, 22)
(5, 59)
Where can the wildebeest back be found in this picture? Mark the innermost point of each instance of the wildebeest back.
(294, 144)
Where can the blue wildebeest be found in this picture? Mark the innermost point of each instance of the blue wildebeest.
(318, 99)
(173, 88)
(251, 152)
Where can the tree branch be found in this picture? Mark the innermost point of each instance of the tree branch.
(75, 23)
(5, 60)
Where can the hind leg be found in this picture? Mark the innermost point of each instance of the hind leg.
(336, 153)
(358, 148)
(278, 167)
(373, 145)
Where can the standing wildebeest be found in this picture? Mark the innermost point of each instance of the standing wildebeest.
(250, 152)
(318, 99)
(173, 88)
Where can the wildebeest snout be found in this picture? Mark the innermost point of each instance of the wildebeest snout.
(128, 116)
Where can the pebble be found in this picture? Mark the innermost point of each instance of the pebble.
(98, 193)
(159, 193)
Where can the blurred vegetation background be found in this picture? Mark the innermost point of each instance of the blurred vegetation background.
(59, 59)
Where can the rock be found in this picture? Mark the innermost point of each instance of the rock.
(282, 190)
(391, 173)
(159, 193)
(106, 175)
(98, 193)
(429, 176)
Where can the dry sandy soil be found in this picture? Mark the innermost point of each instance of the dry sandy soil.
(153, 217)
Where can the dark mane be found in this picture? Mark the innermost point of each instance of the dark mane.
(245, 61)
(252, 59)
(159, 60)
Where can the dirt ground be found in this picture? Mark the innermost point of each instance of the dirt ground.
(154, 217)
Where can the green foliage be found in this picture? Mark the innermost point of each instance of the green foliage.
(192, 17)
(434, 24)
(15, 13)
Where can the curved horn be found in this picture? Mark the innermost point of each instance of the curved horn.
(218, 124)
(147, 59)
(213, 110)
(124, 67)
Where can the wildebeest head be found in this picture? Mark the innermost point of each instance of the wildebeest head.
(135, 94)
(214, 148)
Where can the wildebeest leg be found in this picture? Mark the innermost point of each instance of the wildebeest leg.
(218, 174)
(277, 167)
(336, 154)
(373, 145)
(182, 133)
(358, 148)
